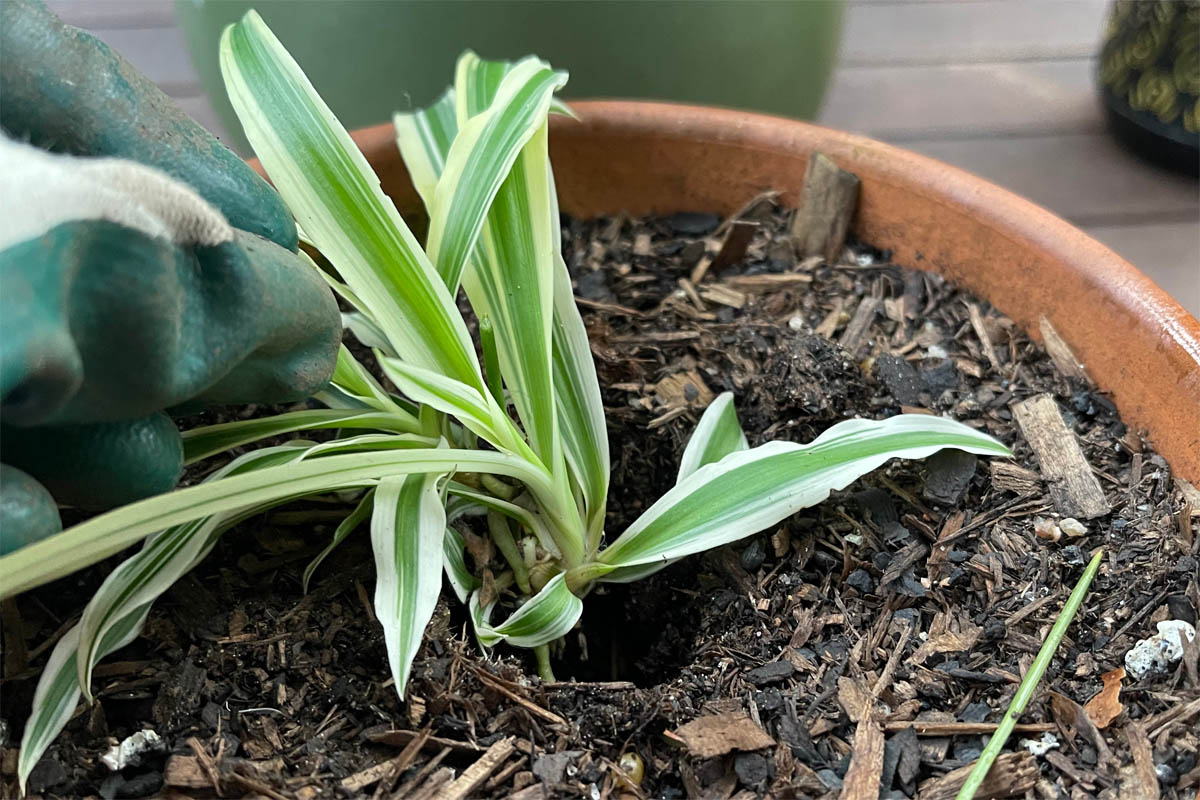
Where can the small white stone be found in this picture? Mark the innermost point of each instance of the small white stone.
(936, 351)
(1157, 653)
(796, 323)
(1039, 747)
(1072, 527)
(130, 751)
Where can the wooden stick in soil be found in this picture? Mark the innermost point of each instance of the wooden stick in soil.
(828, 201)
(1073, 488)
(1029, 684)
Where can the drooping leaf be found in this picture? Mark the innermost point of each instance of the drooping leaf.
(753, 489)
(164, 558)
(103, 535)
(408, 523)
(200, 443)
(58, 692)
(716, 435)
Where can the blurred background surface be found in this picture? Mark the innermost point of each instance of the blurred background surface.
(1001, 88)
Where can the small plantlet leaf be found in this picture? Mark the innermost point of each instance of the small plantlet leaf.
(546, 616)
(347, 526)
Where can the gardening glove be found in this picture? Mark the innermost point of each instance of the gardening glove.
(143, 267)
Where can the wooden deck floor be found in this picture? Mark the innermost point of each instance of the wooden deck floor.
(1001, 88)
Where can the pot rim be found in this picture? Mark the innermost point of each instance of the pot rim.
(1137, 343)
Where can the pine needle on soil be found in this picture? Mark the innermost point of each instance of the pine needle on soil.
(1029, 683)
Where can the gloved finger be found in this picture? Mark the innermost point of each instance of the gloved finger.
(27, 511)
(40, 367)
(64, 90)
(101, 465)
(287, 310)
(162, 300)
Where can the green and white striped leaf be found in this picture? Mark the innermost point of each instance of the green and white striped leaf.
(510, 280)
(346, 527)
(483, 151)
(423, 138)
(750, 490)
(581, 420)
(166, 556)
(106, 534)
(200, 443)
(353, 387)
(408, 524)
(546, 616)
(476, 410)
(58, 693)
(329, 187)
(717, 434)
(524, 516)
(455, 563)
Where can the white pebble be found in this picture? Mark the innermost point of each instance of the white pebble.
(130, 751)
(796, 323)
(1157, 653)
(937, 351)
(1072, 527)
(1039, 747)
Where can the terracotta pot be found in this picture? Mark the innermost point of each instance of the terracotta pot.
(650, 158)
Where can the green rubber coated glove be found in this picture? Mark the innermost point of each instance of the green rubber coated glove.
(143, 267)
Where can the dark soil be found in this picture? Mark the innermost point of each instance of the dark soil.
(898, 615)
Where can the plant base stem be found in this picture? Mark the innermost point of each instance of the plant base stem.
(545, 671)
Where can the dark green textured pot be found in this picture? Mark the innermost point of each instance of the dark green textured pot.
(368, 59)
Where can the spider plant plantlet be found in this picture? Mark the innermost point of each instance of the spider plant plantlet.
(516, 446)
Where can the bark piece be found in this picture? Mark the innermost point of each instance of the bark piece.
(866, 765)
(1060, 352)
(985, 339)
(1139, 780)
(720, 734)
(856, 330)
(478, 772)
(1010, 477)
(828, 201)
(1073, 488)
(733, 248)
(1012, 774)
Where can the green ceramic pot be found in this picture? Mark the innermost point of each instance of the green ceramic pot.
(369, 58)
